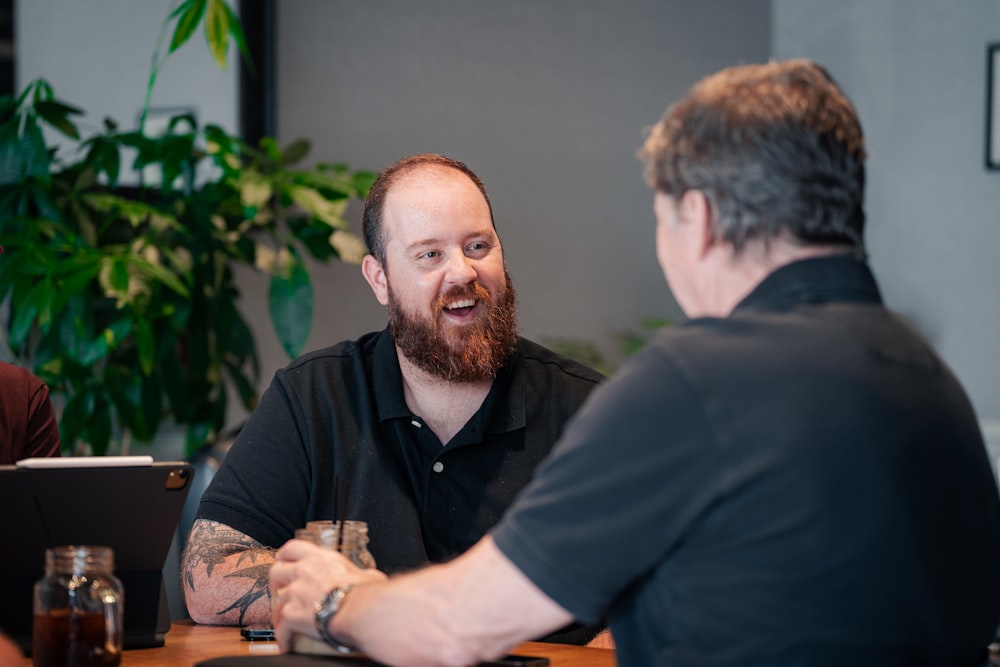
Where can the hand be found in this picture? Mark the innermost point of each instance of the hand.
(303, 573)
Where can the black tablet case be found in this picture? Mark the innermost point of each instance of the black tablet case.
(134, 510)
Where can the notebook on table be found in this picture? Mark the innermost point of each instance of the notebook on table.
(131, 504)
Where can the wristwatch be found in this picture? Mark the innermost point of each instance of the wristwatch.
(325, 609)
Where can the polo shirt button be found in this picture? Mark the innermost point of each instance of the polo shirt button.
(437, 467)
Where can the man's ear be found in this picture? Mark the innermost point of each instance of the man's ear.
(373, 272)
(695, 211)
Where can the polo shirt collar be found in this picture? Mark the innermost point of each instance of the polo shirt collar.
(814, 280)
(503, 410)
(505, 406)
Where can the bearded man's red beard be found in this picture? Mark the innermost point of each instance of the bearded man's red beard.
(470, 353)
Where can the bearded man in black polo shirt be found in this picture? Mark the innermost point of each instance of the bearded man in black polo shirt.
(437, 421)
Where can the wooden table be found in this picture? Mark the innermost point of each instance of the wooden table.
(187, 644)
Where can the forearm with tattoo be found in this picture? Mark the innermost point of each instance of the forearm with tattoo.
(216, 559)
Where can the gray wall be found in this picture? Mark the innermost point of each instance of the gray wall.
(916, 71)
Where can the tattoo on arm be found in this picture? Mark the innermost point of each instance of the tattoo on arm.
(259, 588)
(210, 543)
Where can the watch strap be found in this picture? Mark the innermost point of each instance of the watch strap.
(325, 610)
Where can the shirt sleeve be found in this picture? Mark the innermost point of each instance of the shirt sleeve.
(262, 486)
(42, 430)
(634, 469)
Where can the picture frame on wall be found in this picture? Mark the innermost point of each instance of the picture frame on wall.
(993, 106)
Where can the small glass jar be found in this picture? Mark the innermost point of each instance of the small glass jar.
(78, 609)
(354, 543)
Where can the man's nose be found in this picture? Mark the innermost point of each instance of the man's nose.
(461, 269)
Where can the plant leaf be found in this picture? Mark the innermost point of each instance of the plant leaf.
(118, 277)
(103, 156)
(236, 28)
(57, 115)
(151, 402)
(187, 22)
(244, 387)
(350, 247)
(7, 105)
(295, 151)
(24, 155)
(197, 434)
(255, 193)
(290, 304)
(71, 421)
(97, 350)
(145, 345)
(162, 275)
(363, 181)
(330, 212)
(99, 426)
(217, 31)
(26, 310)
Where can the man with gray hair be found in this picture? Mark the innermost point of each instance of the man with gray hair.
(792, 477)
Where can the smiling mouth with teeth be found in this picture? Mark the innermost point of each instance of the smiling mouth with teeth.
(460, 307)
(462, 302)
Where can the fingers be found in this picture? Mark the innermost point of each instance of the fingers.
(276, 599)
(294, 550)
(301, 575)
(293, 614)
(298, 560)
(282, 630)
(280, 575)
(283, 570)
(277, 602)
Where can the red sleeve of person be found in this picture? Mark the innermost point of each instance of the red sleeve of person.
(28, 426)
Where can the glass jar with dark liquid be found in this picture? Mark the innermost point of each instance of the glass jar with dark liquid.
(78, 609)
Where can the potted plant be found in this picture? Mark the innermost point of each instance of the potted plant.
(122, 299)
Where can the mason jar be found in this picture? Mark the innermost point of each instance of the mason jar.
(353, 544)
(78, 608)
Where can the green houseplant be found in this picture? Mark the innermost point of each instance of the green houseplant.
(122, 298)
(627, 342)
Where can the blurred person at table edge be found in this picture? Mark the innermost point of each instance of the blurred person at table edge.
(28, 426)
(791, 477)
(433, 424)
(10, 654)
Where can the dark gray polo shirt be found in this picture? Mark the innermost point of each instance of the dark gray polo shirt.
(803, 482)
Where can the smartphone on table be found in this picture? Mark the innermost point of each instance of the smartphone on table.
(258, 633)
(514, 660)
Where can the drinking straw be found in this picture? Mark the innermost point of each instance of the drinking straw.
(342, 509)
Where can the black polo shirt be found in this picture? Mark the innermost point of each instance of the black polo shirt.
(802, 482)
(340, 413)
